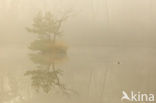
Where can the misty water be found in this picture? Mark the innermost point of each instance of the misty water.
(110, 48)
(84, 72)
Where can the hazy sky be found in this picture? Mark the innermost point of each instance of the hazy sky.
(98, 22)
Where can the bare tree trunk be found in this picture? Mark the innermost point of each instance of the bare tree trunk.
(54, 38)
(54, 70)
(89, 83)
(104, 85)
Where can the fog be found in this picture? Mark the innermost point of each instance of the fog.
(111, 48)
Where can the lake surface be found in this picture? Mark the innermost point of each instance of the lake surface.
(97, 74)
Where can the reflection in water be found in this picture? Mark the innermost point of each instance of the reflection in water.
(44, 79)
(47, 52)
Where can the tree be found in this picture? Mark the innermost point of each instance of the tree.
(47, 52)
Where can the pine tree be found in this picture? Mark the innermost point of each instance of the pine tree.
(47, 52)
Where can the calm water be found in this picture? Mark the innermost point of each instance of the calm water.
(96, 73)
